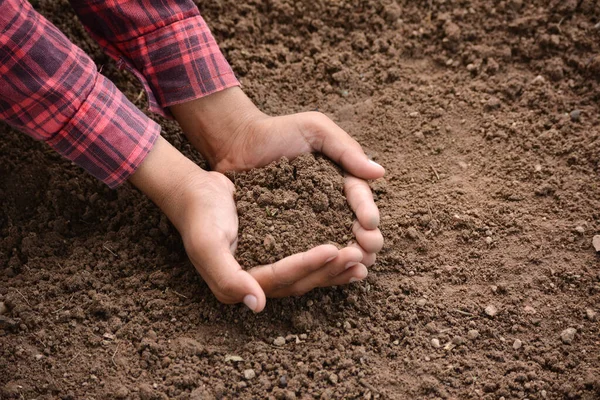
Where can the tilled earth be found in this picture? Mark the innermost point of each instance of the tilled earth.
(485, 114)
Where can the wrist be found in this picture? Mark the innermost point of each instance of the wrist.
(212, 122)
(165, 176)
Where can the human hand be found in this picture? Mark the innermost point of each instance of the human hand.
(200, 205)
(232, 134)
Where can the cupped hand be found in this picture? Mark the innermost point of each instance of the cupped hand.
(201, 206)
(232, 134)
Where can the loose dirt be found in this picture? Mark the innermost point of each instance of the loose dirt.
(290, 207)
(485, 115)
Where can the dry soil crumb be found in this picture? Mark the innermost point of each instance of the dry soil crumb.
(288, 207)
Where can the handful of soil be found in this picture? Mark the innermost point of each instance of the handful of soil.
(289, 207)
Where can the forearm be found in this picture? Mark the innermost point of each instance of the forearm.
(163, 176)
(51, 90)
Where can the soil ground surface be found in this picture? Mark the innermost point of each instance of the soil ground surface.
(485, 114)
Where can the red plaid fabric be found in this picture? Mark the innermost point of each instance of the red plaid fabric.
(165, 43)
(52, 91)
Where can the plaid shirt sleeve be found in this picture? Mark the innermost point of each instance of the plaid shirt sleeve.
(50, 89)
(165, 43)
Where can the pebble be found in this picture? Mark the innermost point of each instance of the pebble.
(568, 335)
(38, 357)
(431, 327)
(458, 340)
(421, 302)
(435, 343)
(596, 243)
(491, 311)
(492, 104)
(280, 341)
(463, 165)
(538, 79)
(529, 310)
(591, 314)
(269, 242)
(473, 334)
(333, 378)
(419, 135)
(283, 381)
(575, 115)
(580, 229)
(249, 374)
(412, 233)
(488, 240)
(3, 308)
(517, 344)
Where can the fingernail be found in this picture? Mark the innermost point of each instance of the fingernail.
(373, 162)
(353, 279)
(350, 264)
(251, 302)
(330, 259)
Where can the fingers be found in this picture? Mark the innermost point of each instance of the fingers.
(291, 269)
(227, 280)
(368, 258)
(370, 240)
(354, 274)
(361, 201)
(328, 138)
(346, 268)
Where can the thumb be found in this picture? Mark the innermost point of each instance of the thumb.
(338, 145)
(231, 284)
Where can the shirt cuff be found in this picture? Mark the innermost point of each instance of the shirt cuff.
(177, 63)
(108, 136)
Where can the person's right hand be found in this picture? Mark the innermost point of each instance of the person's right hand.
(201, 206)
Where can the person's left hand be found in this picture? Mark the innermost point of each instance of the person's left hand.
(232, 134)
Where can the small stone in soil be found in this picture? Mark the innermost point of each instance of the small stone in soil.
(492, 104)
(568, 335)
(491, 311)
(280, 341)
(529, 310)
(283, 381)
(431, 328)
(473, 334)
(249, 374)
(591, 314)
(580, 229)
(596, 243)
(458, 340)
(412, 233)
(269, 242)
(517, 344)
(419, 135)
(333, 378)
(435, 343)
(575, 115)
(3, 308)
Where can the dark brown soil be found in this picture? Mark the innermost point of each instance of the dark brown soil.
(485, 114)
(289, 207)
